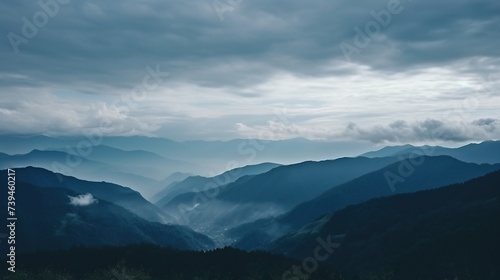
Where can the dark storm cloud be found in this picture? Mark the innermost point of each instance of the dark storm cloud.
(63, 64)
(109, 43)
(428, 131)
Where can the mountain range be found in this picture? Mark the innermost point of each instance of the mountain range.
(212, 156)
(432, 172)
(386, 209)
(119, 195)
(200, 183)
(269, 194)
(484, 152)
(422, 235)
(55, 215)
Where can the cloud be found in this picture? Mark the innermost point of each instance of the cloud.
(279, 130)
(82, 200)
(32, 112)
(91, 46)
(429, 131)
(489, 125)
(226, 73)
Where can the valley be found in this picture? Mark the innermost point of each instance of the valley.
(273, 207)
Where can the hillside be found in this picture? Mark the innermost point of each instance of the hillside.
(122, 196)
(433, 234)
(433, 172)
(56, 218)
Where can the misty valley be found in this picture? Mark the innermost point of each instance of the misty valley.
(153, 208)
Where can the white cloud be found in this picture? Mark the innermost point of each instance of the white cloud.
(82, 200)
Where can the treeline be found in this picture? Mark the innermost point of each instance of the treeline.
(149, 262)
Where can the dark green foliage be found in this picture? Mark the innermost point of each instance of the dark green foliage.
(152, 262)
(293, 184)
(123, 196)
(437, 234)
(199, 183)
(47, 221)
(433, 172)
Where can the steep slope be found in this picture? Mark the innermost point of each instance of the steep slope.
(200, 183)
(122, 196)
(292, 184)
(433, 172)
(430, 234)
(49, 219)
(269, 194)
(172, 178)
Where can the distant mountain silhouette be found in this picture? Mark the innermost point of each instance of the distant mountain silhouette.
(137, 162)
(20, 144)
(172, 178)
(388, 151)
(212, 155)
(85, 168)
(485, 152)
(219, 152)
(432, 173)
(425, 235)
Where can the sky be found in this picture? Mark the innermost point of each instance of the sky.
(383, 71)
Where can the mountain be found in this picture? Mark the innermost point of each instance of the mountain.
(122, 196)
(83, 168)
(200, 183)
(20, 144)
(433, 234)
(388, 151)
(137, 162)
(268, 194)
(48, 158)
(174, 177)
(432, 172)
(57, 218)
(484, 152)
(210, 155)
(245, 151)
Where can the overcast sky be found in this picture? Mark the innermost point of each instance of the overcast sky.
(381, 71)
